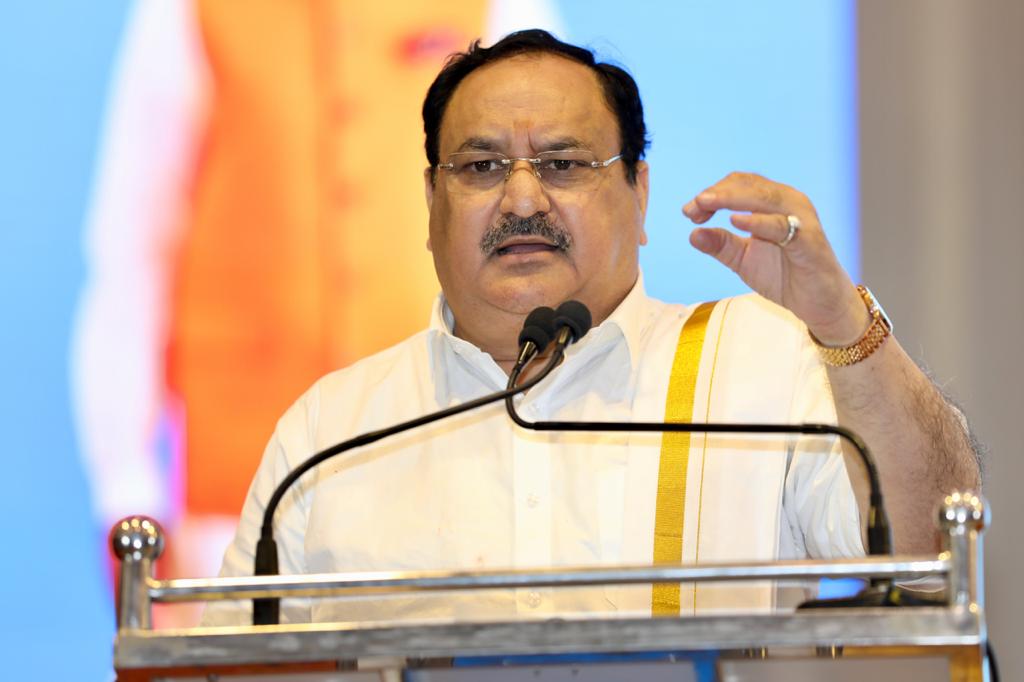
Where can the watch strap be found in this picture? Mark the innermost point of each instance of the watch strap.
(877, 332)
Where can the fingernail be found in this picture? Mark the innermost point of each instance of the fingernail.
(707, 197)
(688, 209)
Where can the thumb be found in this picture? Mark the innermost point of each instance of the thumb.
(720, 244)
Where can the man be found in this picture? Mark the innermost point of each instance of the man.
(537, 193)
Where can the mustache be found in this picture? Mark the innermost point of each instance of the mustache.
(537, 225)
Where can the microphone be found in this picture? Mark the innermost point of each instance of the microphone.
(541, 325)
(879, 533)
(571, 319)
(538, 330)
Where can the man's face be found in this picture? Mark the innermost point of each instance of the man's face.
(588, 241)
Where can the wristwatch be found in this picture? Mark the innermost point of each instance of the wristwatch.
(878, 331)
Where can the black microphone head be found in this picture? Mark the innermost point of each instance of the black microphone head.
(539, 327)
(575, 316)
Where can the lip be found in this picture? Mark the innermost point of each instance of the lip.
(524, 246)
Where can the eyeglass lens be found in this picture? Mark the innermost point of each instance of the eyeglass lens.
(478, 171)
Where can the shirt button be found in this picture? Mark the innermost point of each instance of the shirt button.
(532, 500)
(533, 599)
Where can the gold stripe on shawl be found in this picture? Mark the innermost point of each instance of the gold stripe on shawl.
(675, 457)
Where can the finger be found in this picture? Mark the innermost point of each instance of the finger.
(721, 244)
(750, 192)
(771, 227)
(698, 215)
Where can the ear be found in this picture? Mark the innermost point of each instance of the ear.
(428, 186)
(428, 191)
(642, 188)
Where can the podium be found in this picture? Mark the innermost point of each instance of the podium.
(943, 639)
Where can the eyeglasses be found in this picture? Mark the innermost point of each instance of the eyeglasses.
(569, 169)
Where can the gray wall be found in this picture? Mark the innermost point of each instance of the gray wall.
(942, 182)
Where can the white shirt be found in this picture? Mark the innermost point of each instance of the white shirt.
(475, 492)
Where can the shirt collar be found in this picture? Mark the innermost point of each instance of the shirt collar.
(626, 324)
(447, 350)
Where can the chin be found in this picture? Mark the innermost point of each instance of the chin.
(522, 296)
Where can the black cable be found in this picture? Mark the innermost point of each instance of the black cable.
(993, 666)
(878, 531)
(266, 611)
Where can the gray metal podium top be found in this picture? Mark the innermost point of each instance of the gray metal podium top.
(924, 626)
(958, 620)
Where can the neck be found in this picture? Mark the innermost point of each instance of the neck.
(505, 356)
(497, 336)
(496, 331)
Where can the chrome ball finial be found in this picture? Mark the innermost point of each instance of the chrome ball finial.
(963, 509)
(137, 537)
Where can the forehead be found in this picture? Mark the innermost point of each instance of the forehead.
(527, 103)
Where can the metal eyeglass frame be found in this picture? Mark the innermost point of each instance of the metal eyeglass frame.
(509, 162)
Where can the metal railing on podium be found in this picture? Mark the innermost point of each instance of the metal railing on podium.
(946, 637)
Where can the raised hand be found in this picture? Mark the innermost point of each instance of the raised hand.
(802, 275)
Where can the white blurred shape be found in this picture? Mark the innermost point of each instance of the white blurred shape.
(506, 16)
(145, 161)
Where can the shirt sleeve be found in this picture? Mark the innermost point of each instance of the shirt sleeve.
(819, 504)
(290, 445)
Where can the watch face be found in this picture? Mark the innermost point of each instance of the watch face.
(874, 305)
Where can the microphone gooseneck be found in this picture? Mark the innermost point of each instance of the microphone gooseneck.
(879, 533)
(536, 336)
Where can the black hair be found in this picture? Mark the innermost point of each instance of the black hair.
(620, 90)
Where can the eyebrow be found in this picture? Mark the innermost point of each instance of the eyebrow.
(486, 144)
(479, 144)
(563, 143)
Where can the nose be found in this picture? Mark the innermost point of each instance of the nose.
(523, 193)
